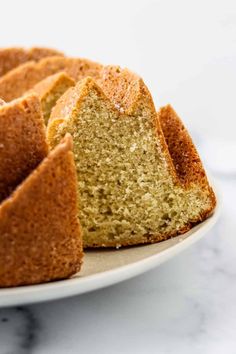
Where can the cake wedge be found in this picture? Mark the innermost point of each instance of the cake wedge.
(40, 236)
(129, 187)
(22, 141)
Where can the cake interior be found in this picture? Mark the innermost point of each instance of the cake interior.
(127, 193)
(50, 96)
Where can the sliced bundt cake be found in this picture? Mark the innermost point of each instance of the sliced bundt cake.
(22, 141)
(10, 58)
(40, 237)
(50, 89)
(17, 81)
(135, 183)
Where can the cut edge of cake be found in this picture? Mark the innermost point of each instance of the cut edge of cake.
(51, 89)
(127, 99)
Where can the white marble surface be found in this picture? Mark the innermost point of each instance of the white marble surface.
(187, 305)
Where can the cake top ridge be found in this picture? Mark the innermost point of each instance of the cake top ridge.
(65, 147)
(19, 80)
(124, 91)
(12, 57)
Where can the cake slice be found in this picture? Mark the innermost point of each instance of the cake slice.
(17, 81)
(40, 238)
(50, 89)
(135, 182)
(10, 58)
(22, 141)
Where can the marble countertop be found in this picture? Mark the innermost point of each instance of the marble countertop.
(185, 305)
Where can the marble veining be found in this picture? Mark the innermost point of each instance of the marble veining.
(24, 325)
(29, 331)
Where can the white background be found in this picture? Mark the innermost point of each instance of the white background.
(185, 50)
(186, 53)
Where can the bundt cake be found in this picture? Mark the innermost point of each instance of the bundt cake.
(50, 89)
(10, 58)
(133, 175)
(40, 238)
(140, 179)
(17, 81)
(22, 141)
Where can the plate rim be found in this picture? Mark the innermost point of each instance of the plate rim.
(30, 294)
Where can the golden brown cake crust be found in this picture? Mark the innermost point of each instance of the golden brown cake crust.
(187, 163)
(186, 160)
(121, 86)
(10, 58)
(22, 141)
(17, 81)
(40, 238)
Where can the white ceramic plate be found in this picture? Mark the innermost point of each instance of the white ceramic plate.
(106, 267)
